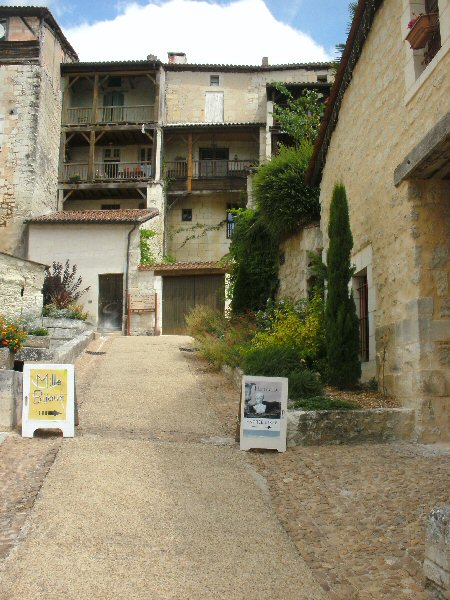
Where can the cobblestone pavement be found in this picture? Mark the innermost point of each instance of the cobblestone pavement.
(355, 513)
(23, 467)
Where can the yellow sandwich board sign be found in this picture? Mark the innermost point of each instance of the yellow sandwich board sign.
(48, 398)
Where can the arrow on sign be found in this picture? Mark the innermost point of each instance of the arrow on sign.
(269, 427)
(50, 413)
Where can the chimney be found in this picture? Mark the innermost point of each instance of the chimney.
(152, 58)
(265, 61)
(177, 58)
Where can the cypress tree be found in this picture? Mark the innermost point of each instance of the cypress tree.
(341, 321)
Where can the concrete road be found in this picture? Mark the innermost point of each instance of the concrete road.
(146, 502)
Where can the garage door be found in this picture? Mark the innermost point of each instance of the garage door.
(181, 294)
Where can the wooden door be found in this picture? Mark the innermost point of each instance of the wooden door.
(182, 294)
(110, 301)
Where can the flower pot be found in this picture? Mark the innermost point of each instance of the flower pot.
(422, 30)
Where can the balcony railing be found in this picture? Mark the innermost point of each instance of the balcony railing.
(107, 171)
(74, 172)
(110, 114)
(210, 169)
(123, 170)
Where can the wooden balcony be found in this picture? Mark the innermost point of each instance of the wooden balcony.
(107, 115)
(106, 171)
(208, 174)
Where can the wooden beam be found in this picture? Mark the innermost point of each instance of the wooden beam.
(95, 100)
(190, 164)
(150, 137)
(99, 135)
(86, 137)
(91, 156)
(69, 137)
(151, 77)
(74, 80)
(67, 195)
(142, 194)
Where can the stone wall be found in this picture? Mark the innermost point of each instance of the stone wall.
(437, 553)
(30, 105)
(406, 226)
(294, 272)
(21, 284)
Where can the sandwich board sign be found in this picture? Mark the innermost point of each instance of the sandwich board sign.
(48, 398)
(264, 412)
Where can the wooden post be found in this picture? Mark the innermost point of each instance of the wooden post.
(190, 165)
(65, 100)
(95, 101)
(156, 314)
(91, 164)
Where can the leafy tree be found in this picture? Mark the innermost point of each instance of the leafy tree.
(299, 117)
(341, 321)
(61, 285)
(254, 252)
(284, 200)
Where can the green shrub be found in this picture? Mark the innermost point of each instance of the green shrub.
(41, 331)
(254, 263)
(283, 199)
(221, 340)
(271, 361)
(72, 311)
(304, 384)
(147, 257)
(325, 403)
(299, 326)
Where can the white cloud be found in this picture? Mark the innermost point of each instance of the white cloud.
(241, 32)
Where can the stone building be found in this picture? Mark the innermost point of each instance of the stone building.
(386, 136)
(176, 141)
(32, 48)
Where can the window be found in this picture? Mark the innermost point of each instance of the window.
(110, 206)
(4, 30)
(114, 82)
(322, 78)
(362, 298)
(434, 43)
(186, 214)
(214, 107)
(214, 80)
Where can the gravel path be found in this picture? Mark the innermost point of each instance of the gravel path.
(148, 500)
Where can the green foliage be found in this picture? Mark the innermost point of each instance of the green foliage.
(324, 403)
(284, 201)
(72, 311)
(40, 331)
(341, 321)
(221, 340)
(254, 256)
(299, 326)
(271, 361)
(147, 257)
(169, 259)
(339, 48)
(299, 117)
(304, 384)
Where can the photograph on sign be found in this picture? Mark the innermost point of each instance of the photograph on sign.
(48, 398)
(263, 412)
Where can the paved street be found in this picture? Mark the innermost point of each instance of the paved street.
(149, 500)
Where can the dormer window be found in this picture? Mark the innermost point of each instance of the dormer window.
(3, 30)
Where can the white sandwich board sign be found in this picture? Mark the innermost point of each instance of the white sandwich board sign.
(48, 398)
(264, 412)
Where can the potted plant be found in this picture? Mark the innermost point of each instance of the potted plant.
(421, 28)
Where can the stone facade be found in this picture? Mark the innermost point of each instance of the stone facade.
(294, 274)
(30, 106)
(383, 116)
(21, 284)
(437, 553)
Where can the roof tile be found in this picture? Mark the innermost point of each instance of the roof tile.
(97, 216)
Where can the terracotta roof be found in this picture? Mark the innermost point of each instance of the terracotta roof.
(216, 125)
(227, 67)
(111, 65)
(97, 216)
(42, 13)
(361, 26)
(173, 268)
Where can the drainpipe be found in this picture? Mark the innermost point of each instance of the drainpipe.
(127, 269)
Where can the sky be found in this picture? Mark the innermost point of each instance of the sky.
(208, 31)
